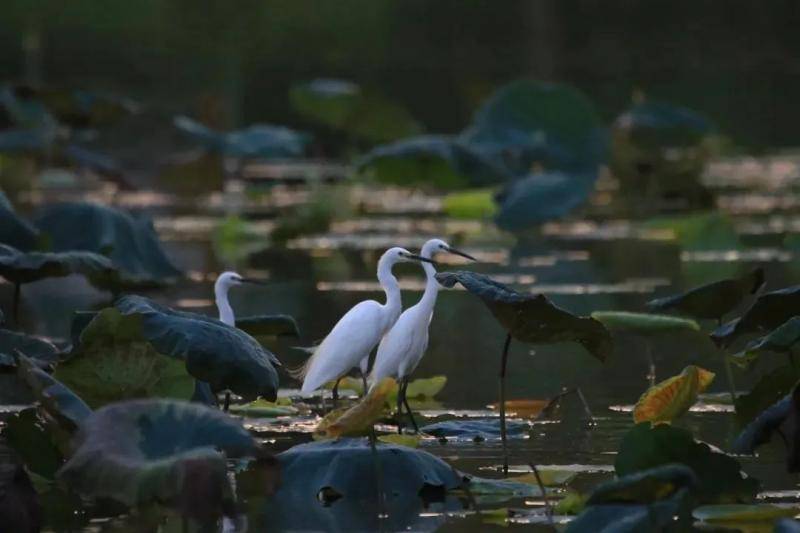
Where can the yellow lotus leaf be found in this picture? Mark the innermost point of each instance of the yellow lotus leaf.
(358, 419)
(669, 399)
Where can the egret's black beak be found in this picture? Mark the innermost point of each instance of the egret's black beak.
(420, 258)
(462, 254)
(253, 281)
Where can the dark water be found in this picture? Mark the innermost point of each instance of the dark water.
(583, 266)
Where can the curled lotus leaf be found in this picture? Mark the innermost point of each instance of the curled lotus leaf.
(358, 419)
(27, 267)
(671, 398)
(644, 323)
(532, 318)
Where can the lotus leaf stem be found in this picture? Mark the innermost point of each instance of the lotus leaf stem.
(503, 362)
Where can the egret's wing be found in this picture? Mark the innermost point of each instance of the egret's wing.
(350, 340)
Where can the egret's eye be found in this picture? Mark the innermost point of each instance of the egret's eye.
(441, 246)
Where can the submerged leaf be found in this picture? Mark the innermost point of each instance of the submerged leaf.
(412, 441)
(549, 476)
(669, 399)
(263, 409)
(532, 318)
(145, 451)
(644, 323)
(476, 430)
(358, 419)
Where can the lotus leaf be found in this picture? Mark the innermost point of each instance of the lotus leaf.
(344, 106)
(268, 325)
(263, 409)
(532, 318)
(781, 339)
(644, 323)
(721, 480)
(666, 401)
(258, 140)
(770, 388)
(358, 419)
(55, 398)
(541, 197)
(652, 500)
(26, 435)
(21, 267)
(435, 160)
(769, 311)
(130, 242)
(12, 342)
(14, 230)
(473, 203)
(702, 231)
(336, 481)
(714, 300)
(144, 451)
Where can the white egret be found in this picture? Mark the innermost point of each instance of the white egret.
(224, 282)
(352, 339)
(402, 348)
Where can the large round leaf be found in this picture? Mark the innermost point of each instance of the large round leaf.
(721, 480)
(223, 356)
(13, 342)
(532, 318)
(130, 242)
(435, 160)
(145, 451)
(550, 124)
(335, 482)
(15, 230)
(114, 361)
(781, 339)
(658, 124)
(345, 106)
(22, 267)
(541, 197)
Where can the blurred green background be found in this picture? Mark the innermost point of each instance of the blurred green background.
(232, 63)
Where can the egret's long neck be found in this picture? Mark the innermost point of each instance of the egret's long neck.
(431, 285)
(390, 286)
(223, 305)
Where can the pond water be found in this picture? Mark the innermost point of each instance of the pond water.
(598, 263)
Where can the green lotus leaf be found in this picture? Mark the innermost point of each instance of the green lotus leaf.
(14, 230)
(27, 267)
(268, 325)
(157, 451)
(769, 311)
(713, 300)
(644, 323)
(438, 161)
(651, 500)
(781, 339)
(130, 242)
(258, 140)
(532, 318)
(470, 204)
(769, 389)
(26, 434)
(720, 477)
(56, 399)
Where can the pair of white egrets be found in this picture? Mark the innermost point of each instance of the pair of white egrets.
(403, 337)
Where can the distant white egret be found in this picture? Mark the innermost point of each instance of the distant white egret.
(224, 282)
(402, 348)
(355, 335)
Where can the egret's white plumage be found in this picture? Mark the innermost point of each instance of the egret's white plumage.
(224, 282)
(402, 348)
(351, 340)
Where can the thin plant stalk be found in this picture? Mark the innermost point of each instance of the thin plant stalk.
(548, 509)
(373, 439)
(503, 362)
(227, 403)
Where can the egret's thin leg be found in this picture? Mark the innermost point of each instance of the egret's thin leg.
(400, 392)
(408, 407)
(363, 382)
(335, 393)
(227, 401)
(585, 405)
(503, 361)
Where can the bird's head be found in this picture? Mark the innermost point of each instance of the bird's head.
(401, 255)
(226, 280)
(435, 246)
